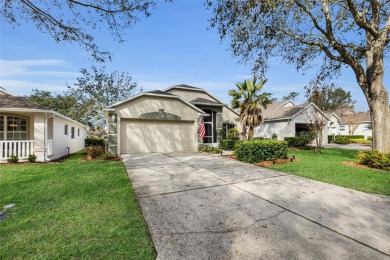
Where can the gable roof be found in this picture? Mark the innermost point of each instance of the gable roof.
(8, 100)
(13, 103)
(343, 113)
(191, 88)
(155, 93)
(276, 111)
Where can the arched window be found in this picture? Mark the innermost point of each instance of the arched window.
(13, 128)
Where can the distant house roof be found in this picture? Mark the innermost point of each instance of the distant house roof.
(10, 101)
(343, 113)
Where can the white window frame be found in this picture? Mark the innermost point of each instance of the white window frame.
(5, 130)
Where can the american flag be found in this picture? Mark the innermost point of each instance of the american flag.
(202, 131)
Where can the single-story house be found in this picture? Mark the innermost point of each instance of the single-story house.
(167, 121)
(339, 125)
(286, 119)
(27, 128)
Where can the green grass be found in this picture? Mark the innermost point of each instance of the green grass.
(327, 167)
(72, 209)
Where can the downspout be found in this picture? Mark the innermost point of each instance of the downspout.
(45, 138)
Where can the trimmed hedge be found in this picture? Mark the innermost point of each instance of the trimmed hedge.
(332, 138)
(360, 141)
(261, 150)
(374, 159)
(227, 144)
(301, 140)
(341, 139)
(94, 142)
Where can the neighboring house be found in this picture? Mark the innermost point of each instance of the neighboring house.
(286, 119)
(167, 121)
(339, 122)
(27, 128)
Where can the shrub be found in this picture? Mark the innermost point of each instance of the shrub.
(95, 151)
(261, 150)
(232, 133)
(331, 139)
(32, 158)
(260, 138)
(341, 139)
(301, 140)
(374, 159)
(94, 142)
(209, 149)
(359, 141)
(369, 137)
(13, 159)
(227, 144)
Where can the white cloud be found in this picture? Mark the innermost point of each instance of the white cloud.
(21, 87)
(35, 68)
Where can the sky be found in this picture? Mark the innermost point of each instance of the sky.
(173, 46)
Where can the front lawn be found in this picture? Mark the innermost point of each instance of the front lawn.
(73, 209)
(327, 167)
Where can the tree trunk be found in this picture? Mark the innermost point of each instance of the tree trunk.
(251, 132)
(378, 100)
(380, 116)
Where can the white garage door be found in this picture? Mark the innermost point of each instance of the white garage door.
(145, 136)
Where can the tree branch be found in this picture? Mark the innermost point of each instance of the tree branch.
(361, 20)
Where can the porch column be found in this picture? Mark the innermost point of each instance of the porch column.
(113, 125)
(219, 125)
(39, 136)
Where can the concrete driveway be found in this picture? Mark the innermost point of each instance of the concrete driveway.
(201, 206)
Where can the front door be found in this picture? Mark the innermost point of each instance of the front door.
(210, 125)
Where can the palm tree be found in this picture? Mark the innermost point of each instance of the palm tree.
(250, 101)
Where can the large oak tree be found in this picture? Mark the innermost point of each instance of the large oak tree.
(335, 33)
(74, 20)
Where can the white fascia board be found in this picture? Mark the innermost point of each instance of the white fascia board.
(33, 110)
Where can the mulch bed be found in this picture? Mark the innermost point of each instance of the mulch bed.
(264, 164)
(355, 164)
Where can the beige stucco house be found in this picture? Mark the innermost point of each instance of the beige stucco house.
(286, 119)
(167, 121)
(27, 128)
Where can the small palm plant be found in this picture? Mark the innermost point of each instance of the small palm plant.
(250, 101)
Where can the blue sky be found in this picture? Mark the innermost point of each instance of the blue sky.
(172, 46)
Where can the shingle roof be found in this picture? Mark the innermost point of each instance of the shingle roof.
(205, 101)
(159, 92)
(281, 113)
(10, 101)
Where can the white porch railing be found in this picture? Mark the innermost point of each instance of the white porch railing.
(49, 148)
(22, 149)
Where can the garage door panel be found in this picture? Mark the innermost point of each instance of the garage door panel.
(153, 136)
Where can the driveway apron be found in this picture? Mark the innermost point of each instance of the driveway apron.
(201, 206)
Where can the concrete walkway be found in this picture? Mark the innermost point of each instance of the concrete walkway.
(201, 206)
